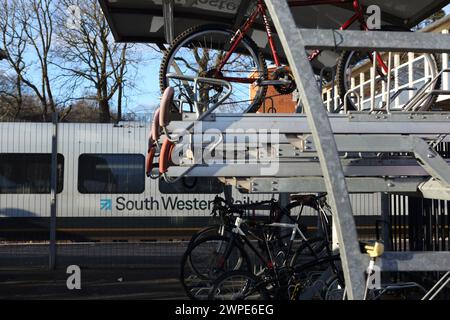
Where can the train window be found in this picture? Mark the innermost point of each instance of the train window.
(28, 173)
(111, 174)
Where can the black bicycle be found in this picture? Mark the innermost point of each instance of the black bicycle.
(250, 244)
(226, 213)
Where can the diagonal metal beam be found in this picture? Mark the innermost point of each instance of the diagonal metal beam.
(320, 126)
(431, 161)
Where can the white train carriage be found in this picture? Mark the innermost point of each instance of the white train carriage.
(102, 186)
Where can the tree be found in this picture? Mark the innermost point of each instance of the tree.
(89, 56)
(26, 28)
(3, 54)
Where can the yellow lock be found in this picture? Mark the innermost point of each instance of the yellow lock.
(376, 250)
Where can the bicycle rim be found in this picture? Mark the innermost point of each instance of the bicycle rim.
(425, 68)
(204, 262)
(199, 53)
(237, 286)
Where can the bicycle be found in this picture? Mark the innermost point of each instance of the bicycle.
(229, 253)
(305, 282)
(217, 51)
(226, 213)
(208, 246)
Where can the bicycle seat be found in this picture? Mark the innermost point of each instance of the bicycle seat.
(165, 106)
(309, 200)
(374, 249)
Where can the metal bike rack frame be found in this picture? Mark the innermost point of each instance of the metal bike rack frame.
(322, 167)
(295, 42)
(311, 145)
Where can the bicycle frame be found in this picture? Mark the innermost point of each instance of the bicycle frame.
(239, 236)
(261, 10)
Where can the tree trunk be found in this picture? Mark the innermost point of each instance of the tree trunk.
(105, 115)
(119, 102)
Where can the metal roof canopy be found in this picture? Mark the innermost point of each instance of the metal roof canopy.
(145, 21)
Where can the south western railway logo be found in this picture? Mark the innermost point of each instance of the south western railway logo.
(163, 203)
(105, 205)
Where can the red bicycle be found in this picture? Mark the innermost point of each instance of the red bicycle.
(216, 51)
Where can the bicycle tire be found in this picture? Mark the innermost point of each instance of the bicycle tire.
(208, 231)
(346, 56)
(195, 279)
(249, 284)
(196, 31)
(319, 246)
(312, 279)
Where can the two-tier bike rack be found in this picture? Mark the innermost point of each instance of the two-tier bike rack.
(314, 149)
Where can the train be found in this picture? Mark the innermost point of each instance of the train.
(102, 190)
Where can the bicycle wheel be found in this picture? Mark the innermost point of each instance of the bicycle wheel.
(313, 279)
(204, 261)
(310, 251)
(335, 289)
(238, 285)
(353, 63)
(209, 231)
(198, 52)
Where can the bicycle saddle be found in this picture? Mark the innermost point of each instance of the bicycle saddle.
(307, 200)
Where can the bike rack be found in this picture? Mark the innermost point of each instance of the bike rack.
(311, 146)
(415, 103)
(438, 287)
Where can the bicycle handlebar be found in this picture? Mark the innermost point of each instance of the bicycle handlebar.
(223, 208)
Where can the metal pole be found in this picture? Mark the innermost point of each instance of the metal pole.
(386, 226)
(54, 192)
(319, 123)
(168, 21)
